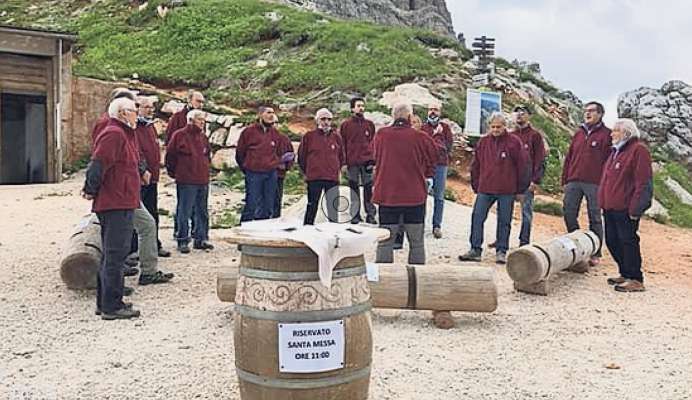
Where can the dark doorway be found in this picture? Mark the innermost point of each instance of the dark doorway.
(22, 139)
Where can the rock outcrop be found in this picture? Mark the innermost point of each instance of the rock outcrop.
(429, 14)
(664, 117)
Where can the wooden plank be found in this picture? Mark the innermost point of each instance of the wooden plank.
(25, 44)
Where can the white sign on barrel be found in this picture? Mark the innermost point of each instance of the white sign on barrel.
(311, 347)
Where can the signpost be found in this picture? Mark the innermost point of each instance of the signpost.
(484, 49)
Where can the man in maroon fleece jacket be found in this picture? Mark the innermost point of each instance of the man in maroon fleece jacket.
(624, 193)
(499, 173)
(187, 161)
(320, 157)
(581, 172)
(441, 133)
(357, 133)
(104, 119)
(195, 101)
(404, 158)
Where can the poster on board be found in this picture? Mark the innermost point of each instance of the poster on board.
(479, 106)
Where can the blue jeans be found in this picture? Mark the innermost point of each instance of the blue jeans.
(439, 180)
(526, 218)
(505, 207)
(192, 203)
(260, 195)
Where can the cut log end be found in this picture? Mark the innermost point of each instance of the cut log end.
(443, 320)
(525, 264)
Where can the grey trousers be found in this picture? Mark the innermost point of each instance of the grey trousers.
(145, 225)
(574, 192)
(357, 176)
(415, 234)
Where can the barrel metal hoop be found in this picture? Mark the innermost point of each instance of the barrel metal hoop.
(412, 288)
(93, 246)
(303, 316)
(316, 383)
(264, 251)
(299, 276)
(593, 244)
(547, 257)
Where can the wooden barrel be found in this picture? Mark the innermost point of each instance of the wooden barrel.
(286, 322)
(427, 287)
(537, 262)
(80, 265)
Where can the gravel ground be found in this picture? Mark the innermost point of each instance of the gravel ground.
(583, 341)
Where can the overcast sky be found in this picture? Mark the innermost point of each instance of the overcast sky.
(596, 48)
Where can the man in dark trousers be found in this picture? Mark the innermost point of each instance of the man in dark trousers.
(113, 180)
(442, 135)
(286, 156)
(321, 156)
(404, 158)
(187, 160)
(532, 140)
(257, 155)
(357, 133)
(499, 173)
(105, 118)
(195, 101)
(581, 172)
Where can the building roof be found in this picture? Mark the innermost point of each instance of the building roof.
(38, 32)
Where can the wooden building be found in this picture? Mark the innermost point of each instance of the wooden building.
(35, 93)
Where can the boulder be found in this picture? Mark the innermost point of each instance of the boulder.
(233, 135)
(412, 93)
(172, 107)
(223, 159)
(218, 137)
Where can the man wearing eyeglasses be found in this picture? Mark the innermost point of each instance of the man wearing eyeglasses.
(113, 183)
(581, 173)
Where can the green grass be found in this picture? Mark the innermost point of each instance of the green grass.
(559, 141)
(550, 208)
(233, 179)
(78, 165)
(294, 183)
(679, 213)
(450, 195)
(226, 219)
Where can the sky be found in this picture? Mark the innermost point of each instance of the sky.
(598, 49)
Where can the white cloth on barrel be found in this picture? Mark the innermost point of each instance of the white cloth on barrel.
(329, 241)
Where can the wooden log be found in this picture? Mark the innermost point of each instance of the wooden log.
(535, 263)
(423, 287)
(278, 286)
(80, 264)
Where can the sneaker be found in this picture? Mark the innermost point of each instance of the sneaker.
(130, 271)
(471, 255)
(203, 245)
(126, 305)
(164, 253)
(371, 220)
(123, 313)
(594, 261)
(616, 281)
(437, 233)
(183, 248)
(630, 285)
(157, 277)
(501, 258)
(399, 241)
(492, 245)
(128, 291)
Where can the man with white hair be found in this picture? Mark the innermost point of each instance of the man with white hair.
(113, 182)
(625, 192)
(257, 155)
(188, 155)
(582, 169)
(442, 135)
(499, 173)
(117, 93)
(195, 101)
(321, 157)
(404, 159)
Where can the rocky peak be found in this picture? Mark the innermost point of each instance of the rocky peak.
(664, 117)
(430, 14)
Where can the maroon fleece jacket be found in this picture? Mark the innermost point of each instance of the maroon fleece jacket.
(532, 141)
(444, 140)
(627, 181)
(321, 155)
(188, 155)
(500, 165)
(357, 134)
(587, 154)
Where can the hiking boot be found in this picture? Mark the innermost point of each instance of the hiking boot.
(123, 313)
(492, 245)
(126, 305)
(203, 245)
(616, 281)
(501, 258)
(164, 253)
(471, 255)
(130, 271)
(437, 233)
(630, 285)
(594, 261)
(183, 248)
(371, 220)
(157, 277)
(127, 291)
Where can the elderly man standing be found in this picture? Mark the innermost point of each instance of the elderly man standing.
(581, 172)
(113, 182)
(187, 160)
(625, 192)
(357, 133)
(442, 135)
(104, 119)
(257, 155)
(499, 172)
(320, 157)
(195, 101)
(404, 158)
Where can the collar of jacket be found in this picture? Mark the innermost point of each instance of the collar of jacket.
(589, 130)
(193, 129)
(620, 146)
(401, 122)
(144, 122)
